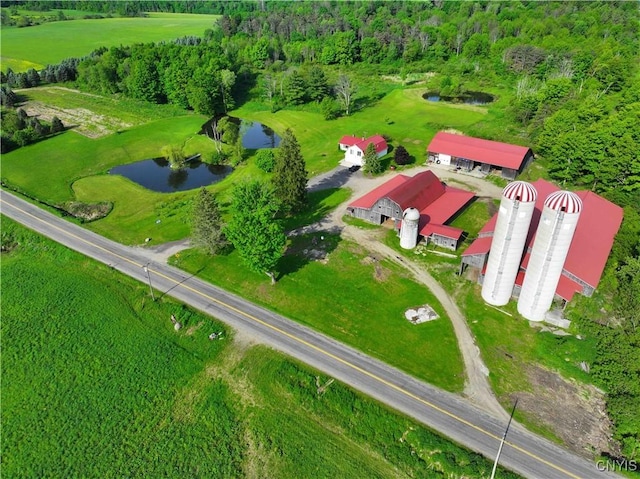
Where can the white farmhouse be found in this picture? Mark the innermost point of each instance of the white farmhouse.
(354, 148)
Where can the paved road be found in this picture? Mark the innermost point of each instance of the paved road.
(453, 416)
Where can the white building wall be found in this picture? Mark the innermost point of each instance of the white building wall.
(409, 228)
(507, 247)
(443, 159)
(549, 252)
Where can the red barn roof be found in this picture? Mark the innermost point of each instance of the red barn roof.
(362, 143)
(436, 202)
(592, 241)
(494, 153)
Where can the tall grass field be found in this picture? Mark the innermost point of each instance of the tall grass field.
(49, 43)
(97, 383)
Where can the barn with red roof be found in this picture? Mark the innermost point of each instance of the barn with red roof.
(437, 204)
(355, 147)
(468, 153)
(592, 241)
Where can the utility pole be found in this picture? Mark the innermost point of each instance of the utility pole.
(504, 436)
(146, 270)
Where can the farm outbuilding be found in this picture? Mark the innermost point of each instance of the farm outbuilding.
(468, 153)
(355, 148)
(580, 257)
(436, 202)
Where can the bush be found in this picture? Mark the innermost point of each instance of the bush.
(265, 160)
(402, 156)
(329, 108)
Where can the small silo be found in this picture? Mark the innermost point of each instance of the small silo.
(409, 228)
(512, 227)
(550, 248)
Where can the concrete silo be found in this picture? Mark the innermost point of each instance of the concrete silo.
(555, 231)
(512, 227)
(409, 228)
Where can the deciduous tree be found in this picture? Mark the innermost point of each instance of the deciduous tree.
(345, 90)
(253, 229)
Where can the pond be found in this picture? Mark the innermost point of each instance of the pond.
(468, 97)
(157, 175)
(254, 134)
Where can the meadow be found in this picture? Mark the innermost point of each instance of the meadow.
(22, 48)
(97, 383)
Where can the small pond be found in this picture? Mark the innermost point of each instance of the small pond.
(468, 97)
(254, 134)
(157, 175)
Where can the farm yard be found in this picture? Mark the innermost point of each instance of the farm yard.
(573, 104)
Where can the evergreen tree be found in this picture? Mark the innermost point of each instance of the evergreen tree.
(401, 156)
(206, 223)
(290, 174)
(317, 85)
(372, 163)
(295, 89)
(253, 229)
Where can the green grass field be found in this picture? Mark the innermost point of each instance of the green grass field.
(71, 167)
(49, 43)
(96, 383)
(366, 308)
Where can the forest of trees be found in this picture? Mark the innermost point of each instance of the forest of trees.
(572, 66)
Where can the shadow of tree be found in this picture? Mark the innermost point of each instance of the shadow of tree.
(304, 249)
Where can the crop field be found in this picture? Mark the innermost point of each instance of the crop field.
(96, 383)
(49, 43)
(366, 310)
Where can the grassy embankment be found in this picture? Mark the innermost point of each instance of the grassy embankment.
(49, 43)
(98, 384)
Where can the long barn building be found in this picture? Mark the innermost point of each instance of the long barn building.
(467, 153)
(587, 253)
(436, 202)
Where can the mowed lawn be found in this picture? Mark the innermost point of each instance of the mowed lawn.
(402, 115)
(72, 167)
(353, 297)
(49, 43)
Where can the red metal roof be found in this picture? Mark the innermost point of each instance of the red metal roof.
(442, 230)
(444, 207)
(567, 288)
(479, 246)
(592, 241)
(494, 153)
(436, 202)
(367, 201)
(419, 191)
(362, 143)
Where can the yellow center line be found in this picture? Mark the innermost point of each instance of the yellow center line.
(306, 343)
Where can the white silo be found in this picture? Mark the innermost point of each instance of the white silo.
(510, 234)
(555, 231)
(409, 228)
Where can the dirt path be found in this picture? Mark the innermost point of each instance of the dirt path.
(477, 386)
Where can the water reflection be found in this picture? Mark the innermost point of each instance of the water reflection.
(156, 174)
(468, 97)
(254, 134)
